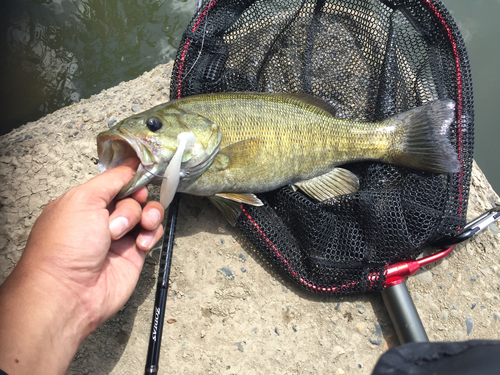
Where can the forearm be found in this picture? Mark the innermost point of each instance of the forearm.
(40, 327)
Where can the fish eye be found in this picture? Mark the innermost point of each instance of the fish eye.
(154, 123)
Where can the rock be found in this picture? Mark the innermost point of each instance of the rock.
(112, 122)
(376, 337)
(469, 323)
(425, 276)
(39, 162)
(228, 272)
(337, 351)
(360, 327)
(496, 317)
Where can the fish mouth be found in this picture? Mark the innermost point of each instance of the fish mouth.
(115, 146)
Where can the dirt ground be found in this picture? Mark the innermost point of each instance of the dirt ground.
(230, 312)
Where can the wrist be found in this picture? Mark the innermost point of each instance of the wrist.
(41, 323)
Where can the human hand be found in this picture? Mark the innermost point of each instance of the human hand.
(82, 261)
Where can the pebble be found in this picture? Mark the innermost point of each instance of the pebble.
(242, 257)
(469, 323)
(276, 331)
(228, 272)
(112, 122)
(486, 271)
(361, 308)
(243, 269)
(425, 277)
(240, 347)
(339, 372)
(360, 327)
(494, 229)
(473, 305)
(136, 108)
(496, 317)
(337, 351)
(376, 337)
(473, 278)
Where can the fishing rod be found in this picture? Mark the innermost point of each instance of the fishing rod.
(165, 260)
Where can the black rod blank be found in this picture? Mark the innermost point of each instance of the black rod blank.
(153, 357)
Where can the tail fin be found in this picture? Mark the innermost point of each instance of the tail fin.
(421, 138)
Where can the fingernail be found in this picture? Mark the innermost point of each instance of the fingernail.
(146, 239)
(154, 216)
(118, 226)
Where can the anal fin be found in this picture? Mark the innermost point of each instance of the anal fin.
(230, 204)
(337, 182)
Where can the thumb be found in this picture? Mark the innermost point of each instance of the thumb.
(107, 185)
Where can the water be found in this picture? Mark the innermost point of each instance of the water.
(478, 23)
(56, 52)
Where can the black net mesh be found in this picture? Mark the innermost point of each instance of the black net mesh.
(369, 59)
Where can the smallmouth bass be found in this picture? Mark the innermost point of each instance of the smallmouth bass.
(239, 144)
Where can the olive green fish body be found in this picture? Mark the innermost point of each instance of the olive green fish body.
(269, 141)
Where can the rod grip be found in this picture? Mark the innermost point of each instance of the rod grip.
(403, 314)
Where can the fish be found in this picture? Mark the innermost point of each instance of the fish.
(231, 146)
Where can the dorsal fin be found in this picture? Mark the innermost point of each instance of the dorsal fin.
(312, 100)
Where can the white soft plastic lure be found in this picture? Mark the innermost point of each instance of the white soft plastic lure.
(173, 172)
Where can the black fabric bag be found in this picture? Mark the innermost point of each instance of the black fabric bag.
(475, 357)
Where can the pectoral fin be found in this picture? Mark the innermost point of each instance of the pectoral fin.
(230, 204)
(337, 182)
(240, 154)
